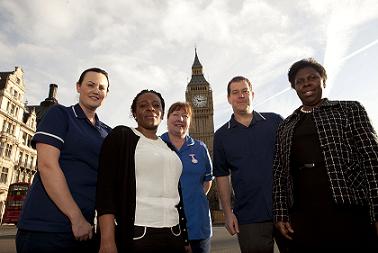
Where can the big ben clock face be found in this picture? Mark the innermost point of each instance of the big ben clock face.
(199, 101)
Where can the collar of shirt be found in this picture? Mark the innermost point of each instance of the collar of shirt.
(255, 119)
(189, 141)
(79, 113)
(324, 103)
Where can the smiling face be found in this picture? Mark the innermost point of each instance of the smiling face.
(309, 85)
(178, 123)
(148, 112)
(240, 97)
(92, 90)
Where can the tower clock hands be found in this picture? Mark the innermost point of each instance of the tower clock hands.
(199, 101)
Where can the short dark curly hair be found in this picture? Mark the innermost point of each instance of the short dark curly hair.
(308, 62)
(133, 105)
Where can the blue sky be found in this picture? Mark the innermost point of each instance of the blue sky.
(150, 44)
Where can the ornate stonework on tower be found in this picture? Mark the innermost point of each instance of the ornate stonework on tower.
(200, 96)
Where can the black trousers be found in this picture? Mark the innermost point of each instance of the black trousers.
(167, 240)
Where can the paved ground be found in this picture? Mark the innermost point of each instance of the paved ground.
(221, 242)
(7, 234)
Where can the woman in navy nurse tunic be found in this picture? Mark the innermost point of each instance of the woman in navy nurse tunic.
(58, 212)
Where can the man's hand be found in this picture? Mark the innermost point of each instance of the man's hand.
(285, 229)
(231, 224)
(81, 228)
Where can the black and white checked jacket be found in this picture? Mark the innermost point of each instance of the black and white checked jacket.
(350, 148)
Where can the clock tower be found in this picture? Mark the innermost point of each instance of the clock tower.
(200, 96)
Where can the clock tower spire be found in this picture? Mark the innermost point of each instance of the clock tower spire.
(200, 96)
(197, 66)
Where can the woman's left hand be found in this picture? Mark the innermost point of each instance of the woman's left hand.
(285, 229)
(188, 249)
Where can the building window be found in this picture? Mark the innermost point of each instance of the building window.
(29, 141)
(1, 148)
(24, 138)
(13, 127)
(32, 161)
(16, 174)
(8, 127)
(5, 126)
(8, 150)
(20, 158)
(27, 177)
(26, 161)
(4, 175)
(21, 177)
(12, 109)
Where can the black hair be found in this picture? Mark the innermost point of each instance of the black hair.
(235, 80)
(133, 105)
(97, 70)
(308, 62)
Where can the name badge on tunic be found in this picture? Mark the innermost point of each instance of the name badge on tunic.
(194, 160)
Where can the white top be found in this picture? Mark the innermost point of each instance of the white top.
(157, 173)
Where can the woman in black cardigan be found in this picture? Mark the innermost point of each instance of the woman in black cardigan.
(138, 200)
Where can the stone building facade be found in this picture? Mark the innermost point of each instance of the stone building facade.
(18, 123)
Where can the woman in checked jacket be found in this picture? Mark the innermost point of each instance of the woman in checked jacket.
(325, 186)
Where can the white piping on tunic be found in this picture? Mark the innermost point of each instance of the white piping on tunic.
(51, 135)
(73, 109)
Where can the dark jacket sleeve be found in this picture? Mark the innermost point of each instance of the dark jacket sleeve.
(107, 195)
(366, 144)
(116, 183)
(182, 217)
(280, 177)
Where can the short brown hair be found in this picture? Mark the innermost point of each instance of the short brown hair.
(181, 106)
(237, 79)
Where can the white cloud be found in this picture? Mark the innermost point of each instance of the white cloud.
(150, 44)
(341, 31)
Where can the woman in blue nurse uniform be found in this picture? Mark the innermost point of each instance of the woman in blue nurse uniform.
(196, 177)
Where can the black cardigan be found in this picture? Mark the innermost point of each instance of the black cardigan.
(116, 187)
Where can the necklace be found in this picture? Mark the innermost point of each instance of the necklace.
(305, 111)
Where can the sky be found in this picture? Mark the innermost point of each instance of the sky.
(149, 44)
